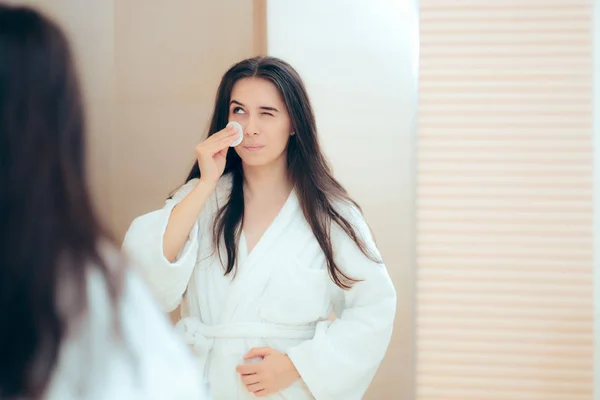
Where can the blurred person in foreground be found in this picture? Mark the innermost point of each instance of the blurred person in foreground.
(76, 324)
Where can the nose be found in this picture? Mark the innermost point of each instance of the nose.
(251, 127)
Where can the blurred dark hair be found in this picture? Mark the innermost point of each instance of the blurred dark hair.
(49, 232)
(318, 190)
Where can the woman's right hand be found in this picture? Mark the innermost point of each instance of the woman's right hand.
(212, 154)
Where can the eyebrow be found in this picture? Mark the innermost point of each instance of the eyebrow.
(262, 107)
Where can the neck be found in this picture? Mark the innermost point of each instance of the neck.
(267, 180)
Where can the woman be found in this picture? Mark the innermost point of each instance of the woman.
(75, 325)
(262, 244)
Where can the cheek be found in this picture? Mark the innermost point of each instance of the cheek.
(280, 132)
(280, 139)
(277, 140)
(237, 151)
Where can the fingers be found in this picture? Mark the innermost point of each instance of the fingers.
(263, 393)
(248, 369)
(253, 383)
(258, 352)
(226, 136)
(228, 131)
(221, 144)
(250, 379)
(212, 146)
(253, 379)
(255, 388)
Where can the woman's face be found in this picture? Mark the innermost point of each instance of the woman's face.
(258, 107)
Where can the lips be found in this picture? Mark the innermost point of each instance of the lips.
(253, 147)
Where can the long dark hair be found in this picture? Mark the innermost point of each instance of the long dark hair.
(49, 232)
(308, 169)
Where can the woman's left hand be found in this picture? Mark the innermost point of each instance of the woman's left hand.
(273, 373)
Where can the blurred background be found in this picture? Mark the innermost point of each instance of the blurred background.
(464, 128)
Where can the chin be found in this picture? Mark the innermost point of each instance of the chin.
(262, 158)
(256, 161)
(259, 160)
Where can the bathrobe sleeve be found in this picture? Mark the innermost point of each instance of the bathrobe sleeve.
(143, 243)
(340, 361)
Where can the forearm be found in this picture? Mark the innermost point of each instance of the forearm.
(182, 219)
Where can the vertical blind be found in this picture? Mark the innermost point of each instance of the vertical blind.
(504, 200)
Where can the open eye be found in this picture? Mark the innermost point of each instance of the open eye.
(238, 110)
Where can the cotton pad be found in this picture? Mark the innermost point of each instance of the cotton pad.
(240, 132)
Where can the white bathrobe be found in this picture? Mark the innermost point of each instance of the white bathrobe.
(281, 297)
(147, 361)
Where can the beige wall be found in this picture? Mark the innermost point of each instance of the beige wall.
(169, 61)
(91, 22)
(358, 60)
